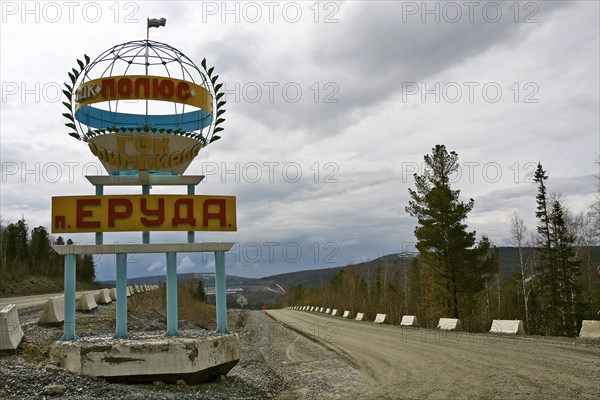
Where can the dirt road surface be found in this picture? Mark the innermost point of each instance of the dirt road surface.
(409, 363)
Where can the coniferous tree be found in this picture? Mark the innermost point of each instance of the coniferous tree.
(568, 271)
(549, 296)
(446, 249)
(39, 250)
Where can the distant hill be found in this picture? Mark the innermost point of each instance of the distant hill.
(508, 258)
(208, 278)
(321, 277)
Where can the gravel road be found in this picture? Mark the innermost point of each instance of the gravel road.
(409, 363)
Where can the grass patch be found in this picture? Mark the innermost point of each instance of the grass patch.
(150, 304)
(35, 352)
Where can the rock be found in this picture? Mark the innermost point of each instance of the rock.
(181, 382)
(158, 383)
(54, 390)
(222, 378)
(53, 368)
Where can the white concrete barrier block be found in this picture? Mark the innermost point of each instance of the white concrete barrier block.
(137, 289)
(449, 324)
(130, 291)
(409, 320)
(86, 302)
(113, 294)
(510, 327)
(54, 311)
(380, 318)
(11, 333)
(590, 329)
(346, 314)
(103, 297)
(334, 312)
(359, 316)
(322, 309)
(328, 311)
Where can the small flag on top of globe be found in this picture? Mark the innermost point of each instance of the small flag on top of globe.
(156, 23)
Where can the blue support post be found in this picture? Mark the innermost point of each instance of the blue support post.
(121, 297)
(99, 236)
(191, 189)
(145, 235)
(221, 292)
(172, 294)
(69, 326)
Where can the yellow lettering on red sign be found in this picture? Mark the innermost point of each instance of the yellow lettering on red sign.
(123, 213)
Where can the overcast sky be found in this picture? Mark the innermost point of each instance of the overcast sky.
(336, 103)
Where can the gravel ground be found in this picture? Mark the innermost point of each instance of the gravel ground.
(275, 363)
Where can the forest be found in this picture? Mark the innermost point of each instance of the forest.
(455, 275)
(25, 253)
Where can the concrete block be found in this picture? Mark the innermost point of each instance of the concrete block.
(137, 289)
(103, 297)
(113, 294)
(86, 302)
(511, 327)
(11, 333)
(130, 291)
(150, 358)
(321, 309)
(328, 311)
(54, 311)
(334, 312)
(449, 324)
(359, 316)
(380, 318)
(346, 314)
(409, 320)
(590, 329)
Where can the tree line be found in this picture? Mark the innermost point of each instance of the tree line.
(29, 253)
(455, 275)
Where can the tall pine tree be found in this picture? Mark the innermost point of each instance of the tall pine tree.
(558, 269)
(458, 267)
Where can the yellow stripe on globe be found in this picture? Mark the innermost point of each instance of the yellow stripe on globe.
(143, 87)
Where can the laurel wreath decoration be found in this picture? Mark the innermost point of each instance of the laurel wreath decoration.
(69, 94)
(217, 95)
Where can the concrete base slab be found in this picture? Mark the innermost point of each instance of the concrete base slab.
(54, 311)
(11, 333)
(150, 358)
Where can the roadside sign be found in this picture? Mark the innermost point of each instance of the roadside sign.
(242, 301)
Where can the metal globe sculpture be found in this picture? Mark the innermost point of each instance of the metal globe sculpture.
(144, 106)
